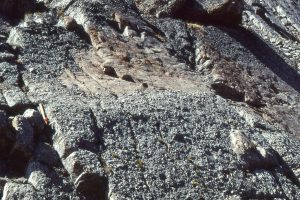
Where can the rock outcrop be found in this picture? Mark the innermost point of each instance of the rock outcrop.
(148, 99)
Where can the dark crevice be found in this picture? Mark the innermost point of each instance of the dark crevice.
(252, 194)
(113, 24)
(157, 125)
(7, 142)
(20, 82)
(192, 11)
(155, 29)
(227, 92)
(98, 132)
(192, 61)
(20, 67)
(256, 104)
(179, 138)
(83, 34)
(4, 47)
(18, 109)
(46, 135)
(16, 164)
(16, 10)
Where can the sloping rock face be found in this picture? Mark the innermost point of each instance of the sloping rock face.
(148, 99)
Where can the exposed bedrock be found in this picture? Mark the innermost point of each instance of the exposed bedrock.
(148, 99)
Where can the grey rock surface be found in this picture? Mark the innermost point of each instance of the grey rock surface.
(35, 119)
(24, 135)
(15, 97)
(19, 190)
(148, 99)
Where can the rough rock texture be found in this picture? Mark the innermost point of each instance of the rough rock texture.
(148, 99)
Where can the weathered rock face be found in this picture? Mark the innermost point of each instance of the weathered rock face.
(147, 99)
(159, 8)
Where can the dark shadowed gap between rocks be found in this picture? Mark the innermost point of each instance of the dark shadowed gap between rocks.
(265, 55)
(17, 9)
(18, 109)
(82, 34)
(21, 83)
(98, 131)
(252, 194)
(227, 92)
(194, 12)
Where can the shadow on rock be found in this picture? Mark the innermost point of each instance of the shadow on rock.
(16, 9)
(266, 55)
